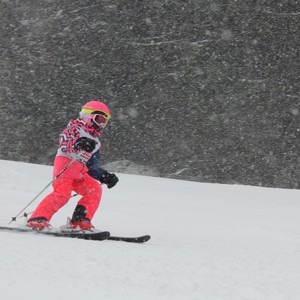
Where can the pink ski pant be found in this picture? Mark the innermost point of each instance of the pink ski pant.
(76, 179)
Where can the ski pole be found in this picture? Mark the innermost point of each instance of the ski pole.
(62, 171)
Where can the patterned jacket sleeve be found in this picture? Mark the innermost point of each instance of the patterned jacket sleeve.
(67, 139)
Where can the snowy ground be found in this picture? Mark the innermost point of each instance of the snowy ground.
(209, 242)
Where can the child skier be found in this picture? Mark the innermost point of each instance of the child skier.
(79, 147)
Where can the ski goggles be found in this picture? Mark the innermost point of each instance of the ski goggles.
(100, 119)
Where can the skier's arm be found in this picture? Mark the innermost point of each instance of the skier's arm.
(94, 169)
(67, 139)
(99, 173)
(74, 146)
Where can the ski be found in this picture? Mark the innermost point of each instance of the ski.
(139, 239)
(95, 236)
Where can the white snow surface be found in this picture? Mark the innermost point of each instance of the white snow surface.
(209, 242)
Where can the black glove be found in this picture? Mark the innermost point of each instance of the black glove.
(109, 179)
(85, 144)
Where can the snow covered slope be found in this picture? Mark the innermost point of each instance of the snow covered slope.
(209, 241)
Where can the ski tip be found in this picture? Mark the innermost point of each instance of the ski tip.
(146, 238)
(139, 239)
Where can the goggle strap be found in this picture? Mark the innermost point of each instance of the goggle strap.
(90, 111)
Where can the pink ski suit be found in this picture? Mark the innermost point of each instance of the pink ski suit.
(76, 177)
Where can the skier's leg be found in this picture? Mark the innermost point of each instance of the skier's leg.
(91, 191)
(62, 187)
(55, 200)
